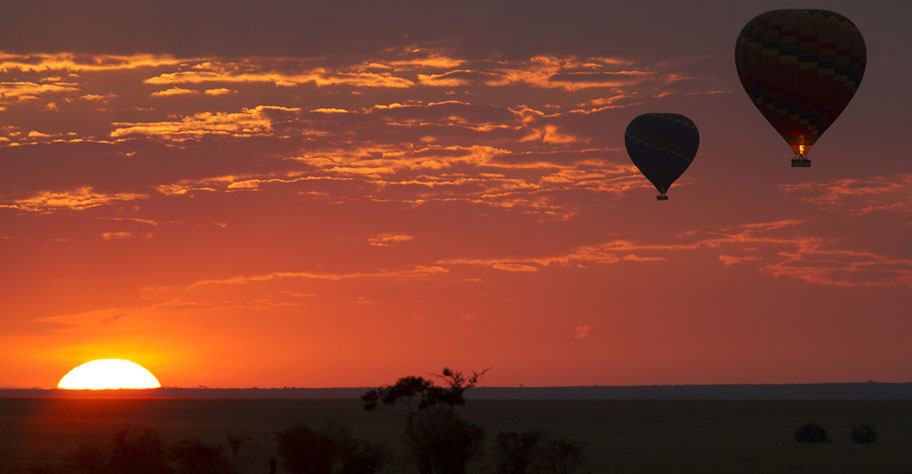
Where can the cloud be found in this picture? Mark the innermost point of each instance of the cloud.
(219, 91)
(843, 268)
(173, 91)
(729, 260)
(426, 67)
(319, 77)
(858, 196)
(108, 236)
(405, 273)
(330, 110)
(78, 199)
(23, 91)
(549, 134)
(127, 219)
(246, 123)
(170, 308)
(98, 97)
(73, 62)
(582, 331)
(389, 240)
(569, 73)
(477, 175)
(813, 260)
(440, 146)
(514, 267)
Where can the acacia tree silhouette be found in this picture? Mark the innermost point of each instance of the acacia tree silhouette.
(439, 440)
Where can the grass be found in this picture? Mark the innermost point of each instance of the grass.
(622, 436)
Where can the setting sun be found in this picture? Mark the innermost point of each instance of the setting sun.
(106, 374)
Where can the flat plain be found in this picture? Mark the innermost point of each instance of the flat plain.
(621, 436)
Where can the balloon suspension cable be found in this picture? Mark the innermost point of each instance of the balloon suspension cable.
(661, 197)
(801, 161)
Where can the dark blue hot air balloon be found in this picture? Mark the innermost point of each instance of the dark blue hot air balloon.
(662, 146)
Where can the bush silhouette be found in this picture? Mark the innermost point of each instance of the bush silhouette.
(196, 457)
(439, 440)
(560, 456)
(304, 451)
(128, 451)
(234, 444)
(331, 450)
(514, 453)
(443, 443)
(131, 451)
(90, 460)
(864, 434)
(811, 433)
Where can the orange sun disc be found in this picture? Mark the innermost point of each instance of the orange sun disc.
(108, 374)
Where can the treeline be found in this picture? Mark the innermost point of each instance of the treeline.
(437, 438)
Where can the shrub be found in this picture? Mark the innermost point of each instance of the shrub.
(144, 452)
(864, 434)
(330, 450)
(515, 452)
(137, 452)
(234, 444)
(560, 456)
(128, 451)
(811, 433)
(89, 460)
(196, 457)
(443, 443)
(353, 455)
(304, 451)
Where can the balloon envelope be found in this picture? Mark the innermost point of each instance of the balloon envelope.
(662, 146)
(801, 68)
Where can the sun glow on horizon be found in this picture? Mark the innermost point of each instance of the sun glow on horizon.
(108, 374)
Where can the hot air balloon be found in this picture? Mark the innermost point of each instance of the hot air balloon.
(662, 146)
(801, 68)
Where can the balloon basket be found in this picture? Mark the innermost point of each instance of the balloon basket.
(661, 197)
(801, 162)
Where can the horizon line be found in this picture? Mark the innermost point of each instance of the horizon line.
(521, 386)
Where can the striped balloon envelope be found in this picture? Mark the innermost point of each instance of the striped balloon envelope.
(662, 146)
(801, 68)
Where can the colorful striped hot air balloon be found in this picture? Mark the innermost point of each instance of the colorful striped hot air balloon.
(662, 146)
(801, 68)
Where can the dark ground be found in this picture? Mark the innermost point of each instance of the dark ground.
(622, 436)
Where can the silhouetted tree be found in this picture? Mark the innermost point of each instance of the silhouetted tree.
(304, 451)
(196, 457)
(514, 453)
(128, 451)
(439, 440)
(811, 433)
(234, 445)
(331, 450)
(90, 460)
(270, 454)
(864, 434)
(138, 452)
(356, 456)
(560, 456)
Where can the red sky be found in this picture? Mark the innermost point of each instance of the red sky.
(309, 196)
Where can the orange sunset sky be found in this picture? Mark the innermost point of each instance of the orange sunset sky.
(342, 193)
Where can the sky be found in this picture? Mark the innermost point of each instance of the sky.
(320, 194)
